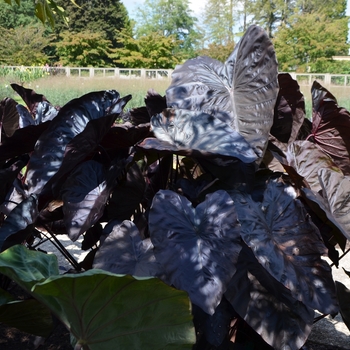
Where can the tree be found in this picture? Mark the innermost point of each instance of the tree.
(24, 46)
(219, 21)
(217, 51)
(148, 51)
(169, 18)
(12, 16)
(103, 18)
(83, 49)
(332, 9)
(301, 45)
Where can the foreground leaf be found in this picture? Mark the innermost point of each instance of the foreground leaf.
(197, 247)
(245, 87)
(104, 311)
(288, 245)
(28, 316)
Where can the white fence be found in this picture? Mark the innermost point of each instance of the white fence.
(133, 73)
(89, 72)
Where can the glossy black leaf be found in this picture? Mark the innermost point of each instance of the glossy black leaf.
(84, 196)
(331, 126)
(22, 141)
(282, 325)
(127, 195)
(29, 96)
(92, 236)
(197, 247)
(343, 294)
(307, 158)
(24, 214)
(191, 130)
(124, 252)
(9, 116)
(71, 120)
(287, 244)
(336, 190)
(289, 110)
(245, 87)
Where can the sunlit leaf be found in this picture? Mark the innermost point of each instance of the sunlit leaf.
(331, 126)
(245, 87)
(307, 158)
(197, 247)
(201, 132)
(287, 244)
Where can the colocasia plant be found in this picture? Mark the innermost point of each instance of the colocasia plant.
(206, 212)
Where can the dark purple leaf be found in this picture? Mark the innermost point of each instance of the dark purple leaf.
(8, 175)
(200, 132)
(245, 87)
(20, 217)
(307, 158)
(283, 326)
(29, 96)
(22, 141)
(154, 103)
(127, 195)
(71, 121)
(25, 118)
(288, 245)
(331, 126)
(9, 117)
(197, 247)
(92, 236)
(125, 135)
(343, 294)
(289, 110)
(84, 196)
(336, 190)
(124, 252)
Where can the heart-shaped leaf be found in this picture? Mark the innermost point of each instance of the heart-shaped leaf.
(288, 245)
(124, 252)
(197, 247)
(201, 132)
(283, 326)
(104, 311)
(307, 158)
(331, 126)
(245, 86)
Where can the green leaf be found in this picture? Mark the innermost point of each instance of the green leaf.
(28, 316)
(106, 311)
(27, 267)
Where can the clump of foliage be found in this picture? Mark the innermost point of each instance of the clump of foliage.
(222, 189)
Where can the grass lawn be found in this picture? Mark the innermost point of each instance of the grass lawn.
(60, 89)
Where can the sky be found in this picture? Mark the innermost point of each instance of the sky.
(196, 6)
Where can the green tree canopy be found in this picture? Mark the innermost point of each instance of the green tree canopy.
(169, 18)
(310, 38)
(153, 50)
(24, 46)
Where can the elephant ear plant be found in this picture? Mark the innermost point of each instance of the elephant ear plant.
(205, 213)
